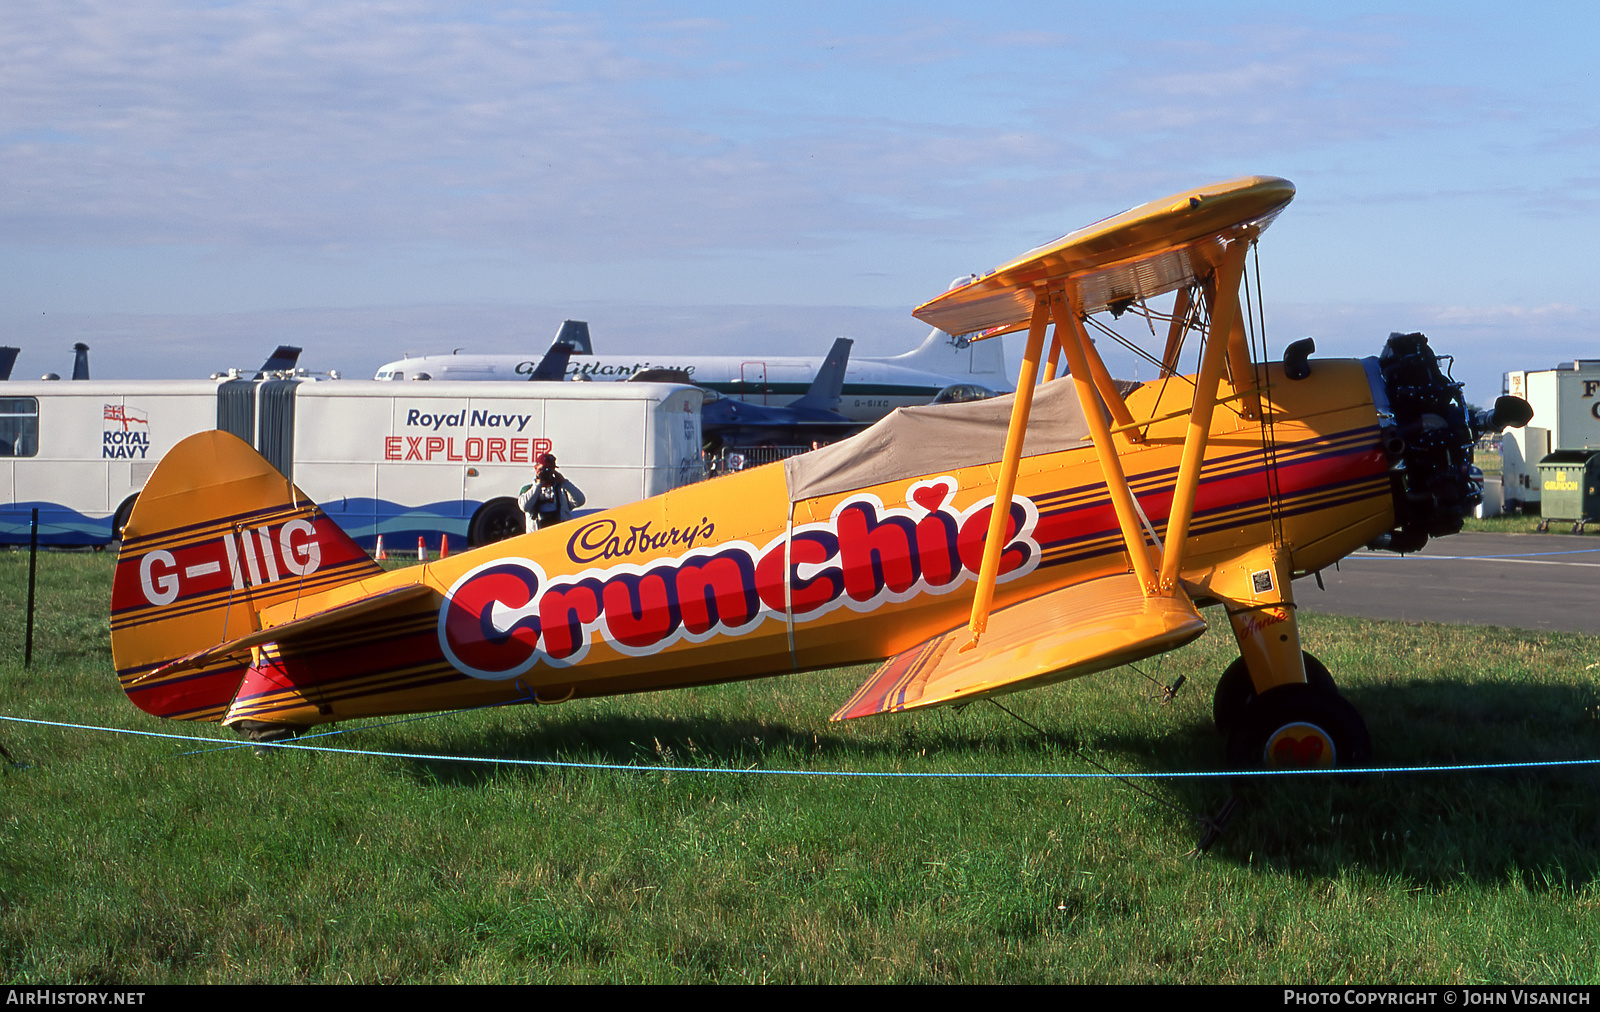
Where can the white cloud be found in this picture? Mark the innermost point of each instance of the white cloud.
(325, 124)
(336, 153)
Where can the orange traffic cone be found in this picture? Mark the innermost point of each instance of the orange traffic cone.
(444, 545)
(381, 554)
(422, 549)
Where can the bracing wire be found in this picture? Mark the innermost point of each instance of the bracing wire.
(1254, 307)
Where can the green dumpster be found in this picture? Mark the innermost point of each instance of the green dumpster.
(1569, 488)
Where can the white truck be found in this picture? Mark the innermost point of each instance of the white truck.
(400, 460)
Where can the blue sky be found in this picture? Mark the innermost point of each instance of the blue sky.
(187, 184)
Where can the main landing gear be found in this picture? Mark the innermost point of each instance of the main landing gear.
(1292, 726)
(1277, 704)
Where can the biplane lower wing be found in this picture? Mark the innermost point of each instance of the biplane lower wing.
(1066, 633)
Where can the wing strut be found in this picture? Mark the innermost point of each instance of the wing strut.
(1175, 331)
(1054, 361)
(1090, 394)
(1096, 369)
(1000, 515)
(1098, 395)
(1225, 312)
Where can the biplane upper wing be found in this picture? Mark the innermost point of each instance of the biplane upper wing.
(1074, 631)
(1140, 253)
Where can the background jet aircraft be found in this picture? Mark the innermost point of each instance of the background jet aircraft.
(728, 422)
(872, 387)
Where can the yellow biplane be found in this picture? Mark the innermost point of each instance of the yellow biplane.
(976, 549)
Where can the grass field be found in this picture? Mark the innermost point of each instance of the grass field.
(140, 859)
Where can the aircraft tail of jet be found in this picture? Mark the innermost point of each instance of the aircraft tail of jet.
(217, 537)
(80, 361)
(828, 385)
(282, 360)
(984, 361)
(8, 358)
(575, 333)
(553, 367)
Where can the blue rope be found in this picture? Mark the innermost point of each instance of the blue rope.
(849, 774)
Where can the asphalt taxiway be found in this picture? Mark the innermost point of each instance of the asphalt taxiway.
(1524, 581)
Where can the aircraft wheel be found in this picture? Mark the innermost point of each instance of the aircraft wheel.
(1234, 689)
(1299, 727)
(120, 520)
(497, 520)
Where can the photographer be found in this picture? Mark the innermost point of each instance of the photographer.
(551, 498)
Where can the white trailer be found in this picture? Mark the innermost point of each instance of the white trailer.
(401, 460)
(423, 459)
(80, 451)
(1566, 416)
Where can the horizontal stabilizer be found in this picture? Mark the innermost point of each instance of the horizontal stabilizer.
(1066, 633)
(289, 631)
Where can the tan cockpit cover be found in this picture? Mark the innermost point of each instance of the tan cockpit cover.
(936, 439)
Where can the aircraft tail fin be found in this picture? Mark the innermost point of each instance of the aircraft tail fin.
(8, 358)
(553, 367)
(216, 536)
(828, 385)
(575, 333)
(984, 361)
(80, 361)
(281, 360)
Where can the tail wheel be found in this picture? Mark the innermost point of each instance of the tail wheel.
(1299, 727)
(1235, 690)
(497, 520)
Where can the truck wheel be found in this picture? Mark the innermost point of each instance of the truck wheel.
(496, 520)
(1299, 727)
(1235, 690)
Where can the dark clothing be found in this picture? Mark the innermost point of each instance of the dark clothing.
(550, 499)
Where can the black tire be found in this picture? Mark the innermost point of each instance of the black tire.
(1235, 690)
(1299, 726)
(496, 520)
(120, 520)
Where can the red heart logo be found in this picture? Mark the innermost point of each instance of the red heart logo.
(1304, 751)
(931, 497)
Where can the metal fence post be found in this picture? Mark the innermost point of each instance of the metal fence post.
(33, 558)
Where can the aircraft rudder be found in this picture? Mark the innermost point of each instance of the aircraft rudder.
(950, 354)
(575, 333)
(826, 388)
(216, 535)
